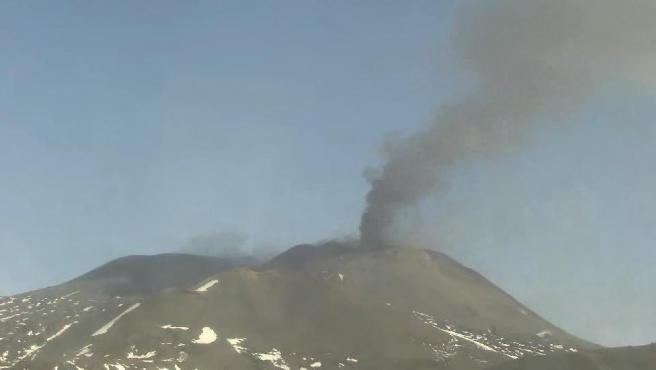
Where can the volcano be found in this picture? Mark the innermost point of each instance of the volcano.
(328, 306)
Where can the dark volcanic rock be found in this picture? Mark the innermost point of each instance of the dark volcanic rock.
(148, 274)
(311, 307)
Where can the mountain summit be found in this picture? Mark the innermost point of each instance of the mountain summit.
(330, 306)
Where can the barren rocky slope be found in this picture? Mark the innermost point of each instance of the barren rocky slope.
(330, 307)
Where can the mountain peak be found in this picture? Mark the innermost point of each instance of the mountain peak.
(147, 274)
(331, 305)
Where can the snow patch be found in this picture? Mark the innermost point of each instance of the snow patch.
(62, 297)
(115, 366)
(275, 357)
(478, 344)
(60, 332)
(544, 333)
(141, 357)
(207, 336)
(85, 351)
(108, 326)
(206, 286)
(236, 344)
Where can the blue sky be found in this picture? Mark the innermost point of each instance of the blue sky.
(128, 128)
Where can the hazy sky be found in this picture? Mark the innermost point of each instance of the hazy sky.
(132, 127)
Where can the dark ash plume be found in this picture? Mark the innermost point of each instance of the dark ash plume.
(536, 62)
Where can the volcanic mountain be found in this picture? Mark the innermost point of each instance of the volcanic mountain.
(329, 306)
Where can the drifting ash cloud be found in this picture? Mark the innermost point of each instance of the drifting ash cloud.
(227, 244)
(536, 62)
(231, 244)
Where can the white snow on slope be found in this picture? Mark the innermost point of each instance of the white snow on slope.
(206, 286)
(478, 344)
(544, 333)
(168, 326)
(85, 351)
(116, 366)
(206, 337)
(108, 326)
(33, 350)
(68, 295)
(491, 342)
(275, 357)
(134, 355)
(60, 332)
(236, 344)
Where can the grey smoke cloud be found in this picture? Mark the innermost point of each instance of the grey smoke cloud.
(230, 244)
(220, 244)
(536, 62)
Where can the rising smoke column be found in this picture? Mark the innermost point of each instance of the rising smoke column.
(536, 62)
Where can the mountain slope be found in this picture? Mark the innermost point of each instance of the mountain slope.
(627, 358)
(331, 306)
(149, 274)
(421, 280)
